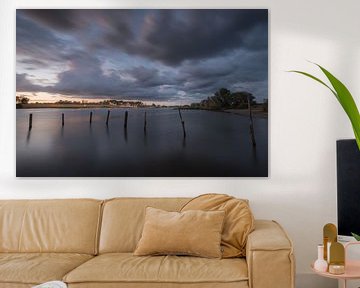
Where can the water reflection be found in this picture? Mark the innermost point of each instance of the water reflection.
(107, 131)
(126, 135)
(184, 142)
(145, 137)
(28, 137)
(217, 144)
(254, 154)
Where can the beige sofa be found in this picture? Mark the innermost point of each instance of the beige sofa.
(89, 243)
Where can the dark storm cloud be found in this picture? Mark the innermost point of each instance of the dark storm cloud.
(36, 41)
(152, 55)
(150, 77)
(116, 25)
(85, 77)
(23, 84)
(172, 36)
(63, 19)
(214, 73)
(35, 62)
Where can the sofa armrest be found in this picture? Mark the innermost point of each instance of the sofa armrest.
(269, 256)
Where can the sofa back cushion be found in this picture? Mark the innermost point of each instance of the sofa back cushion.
(64, 226)
(123, 220)
(238, 224)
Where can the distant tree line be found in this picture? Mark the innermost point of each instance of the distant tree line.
(122, 103)
(225, 99)
(110, 102)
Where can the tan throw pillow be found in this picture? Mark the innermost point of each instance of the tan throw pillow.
(239, 220)
(196, 233)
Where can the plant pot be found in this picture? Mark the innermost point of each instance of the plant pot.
(348, 187)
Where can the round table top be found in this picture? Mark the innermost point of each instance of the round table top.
(352, 271)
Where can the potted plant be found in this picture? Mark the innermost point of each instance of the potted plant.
(346, 100)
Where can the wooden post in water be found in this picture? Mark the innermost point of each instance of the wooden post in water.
(126, 119)
(107, 118)
(252, 133)
(62, 119)
(145, 123)
(90, 117)
(30, 121)
(182, 123)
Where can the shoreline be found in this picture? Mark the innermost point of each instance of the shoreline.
(256, 113)
(76, 106)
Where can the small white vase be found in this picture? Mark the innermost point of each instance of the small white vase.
(320, 264)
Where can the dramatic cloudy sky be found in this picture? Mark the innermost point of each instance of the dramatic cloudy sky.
(165, 56)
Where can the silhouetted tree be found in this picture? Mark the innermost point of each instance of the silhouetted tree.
(22, 100)
(224, 99)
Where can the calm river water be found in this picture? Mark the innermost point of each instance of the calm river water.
(217, 144)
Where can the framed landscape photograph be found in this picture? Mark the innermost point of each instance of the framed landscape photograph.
(142, 93)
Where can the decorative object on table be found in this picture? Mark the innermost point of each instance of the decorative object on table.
(337, 258)
(320, 264)
(344, 273)
(336, 269)
(329, 236)
(344, 97)
(51, 284)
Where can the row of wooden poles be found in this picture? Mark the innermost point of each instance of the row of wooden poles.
(252, 133)
(108, 119)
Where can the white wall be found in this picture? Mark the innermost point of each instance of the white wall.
(305, 120)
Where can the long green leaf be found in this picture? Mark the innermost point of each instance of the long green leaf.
(357, 237)
(316, 79)
(344, 97)
(347, 102)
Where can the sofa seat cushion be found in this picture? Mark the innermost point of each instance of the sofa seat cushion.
(127, 268)
(36, 268)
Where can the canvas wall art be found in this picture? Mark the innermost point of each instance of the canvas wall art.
(142, 93)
